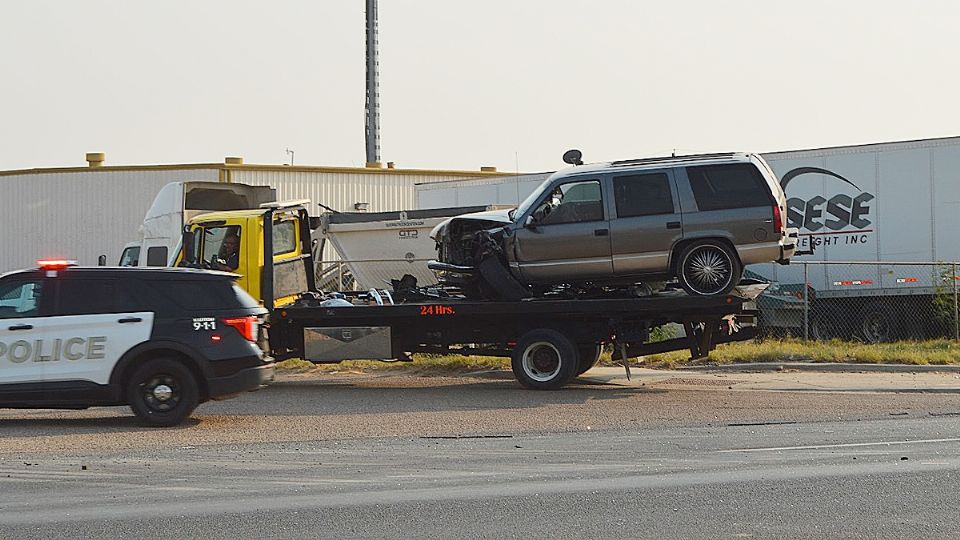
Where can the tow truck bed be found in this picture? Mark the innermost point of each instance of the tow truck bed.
(550, 340)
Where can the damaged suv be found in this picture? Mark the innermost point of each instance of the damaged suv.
(626, 224)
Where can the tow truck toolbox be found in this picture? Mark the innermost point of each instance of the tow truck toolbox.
(160, 340)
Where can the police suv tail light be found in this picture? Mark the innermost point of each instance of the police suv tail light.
(777, 219)
(247, 326)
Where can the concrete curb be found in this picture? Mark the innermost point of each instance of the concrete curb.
(759, 367)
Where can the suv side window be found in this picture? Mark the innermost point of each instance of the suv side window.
(80, 296)
(19, 299)
(574, 202)
(642, 195)
(737, 185)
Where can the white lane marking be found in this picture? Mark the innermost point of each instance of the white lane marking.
(843, 445)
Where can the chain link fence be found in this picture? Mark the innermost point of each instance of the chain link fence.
(863, 301)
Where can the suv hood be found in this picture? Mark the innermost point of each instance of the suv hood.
(493, 217)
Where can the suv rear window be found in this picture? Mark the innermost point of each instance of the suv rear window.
(83, 296)
(738, 185)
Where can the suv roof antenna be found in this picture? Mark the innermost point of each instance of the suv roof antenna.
(573, 157)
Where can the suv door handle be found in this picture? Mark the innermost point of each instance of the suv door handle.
(130, 320)
(20, 327)
(601, 232)
(673, 224)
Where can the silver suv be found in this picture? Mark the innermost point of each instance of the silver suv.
(698, 219)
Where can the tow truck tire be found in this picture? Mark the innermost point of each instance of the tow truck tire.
(589, 354)
(162, 392)
(544, 359)
(708, 268)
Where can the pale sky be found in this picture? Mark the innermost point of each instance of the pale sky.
(505, 83)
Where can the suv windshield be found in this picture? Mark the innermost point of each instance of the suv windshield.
(529, 201)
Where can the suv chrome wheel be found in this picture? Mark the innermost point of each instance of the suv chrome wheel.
(708, 268)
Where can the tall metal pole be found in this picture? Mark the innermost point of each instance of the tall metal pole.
(372, 108)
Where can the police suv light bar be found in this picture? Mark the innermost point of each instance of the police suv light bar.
(55, 264)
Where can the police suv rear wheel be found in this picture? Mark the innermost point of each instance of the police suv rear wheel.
(162, 392)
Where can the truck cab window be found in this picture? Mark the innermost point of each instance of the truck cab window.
(221, 247)
(20, 299)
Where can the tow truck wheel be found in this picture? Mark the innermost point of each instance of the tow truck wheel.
(589, 354)
(162, 392)
(544, 360)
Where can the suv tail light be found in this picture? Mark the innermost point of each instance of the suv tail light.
(247, 326)
(777, 219)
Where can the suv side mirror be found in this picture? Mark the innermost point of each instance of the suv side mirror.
(530, 222)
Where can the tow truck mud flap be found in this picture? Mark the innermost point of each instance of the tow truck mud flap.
(333, 344)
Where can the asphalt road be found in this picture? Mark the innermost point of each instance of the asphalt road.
(356, 456)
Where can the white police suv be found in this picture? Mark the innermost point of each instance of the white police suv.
(160, 340)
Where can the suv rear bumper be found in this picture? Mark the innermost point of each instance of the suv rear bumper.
(788, 246)
(242, 381)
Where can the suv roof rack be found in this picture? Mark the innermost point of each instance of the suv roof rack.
(692, 157)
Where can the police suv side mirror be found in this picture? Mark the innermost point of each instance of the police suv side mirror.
(530, 222)
(102, 260)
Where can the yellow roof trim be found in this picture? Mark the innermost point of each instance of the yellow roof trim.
(253, 167)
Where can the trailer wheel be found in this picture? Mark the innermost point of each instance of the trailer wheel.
(544, 360)
(162, 392)
(589, 355)
(708, 268)
(878, 323)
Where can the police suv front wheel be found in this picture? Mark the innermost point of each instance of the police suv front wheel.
(162, 392)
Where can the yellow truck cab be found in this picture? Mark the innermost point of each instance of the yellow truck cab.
(268, 247)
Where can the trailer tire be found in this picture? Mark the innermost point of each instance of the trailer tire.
(589, 355)
(162, 392)
(708, 268)
(878, 323)
(544, 359)
(500, 280)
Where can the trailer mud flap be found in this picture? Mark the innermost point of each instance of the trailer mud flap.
(333, 344)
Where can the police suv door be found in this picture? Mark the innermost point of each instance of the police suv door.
(90, 330)
(21, 329)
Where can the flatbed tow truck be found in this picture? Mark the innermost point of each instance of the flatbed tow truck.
(550, 340)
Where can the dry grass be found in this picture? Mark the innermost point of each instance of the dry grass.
(836, 351)
(790, 350)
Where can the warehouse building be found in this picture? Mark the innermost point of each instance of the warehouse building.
(84, 212)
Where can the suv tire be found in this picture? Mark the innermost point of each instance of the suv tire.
(708, 268)
(162, 392)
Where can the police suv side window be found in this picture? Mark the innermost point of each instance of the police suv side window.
(737, 185)
(19, 299)
(79, 296)
(642, 195)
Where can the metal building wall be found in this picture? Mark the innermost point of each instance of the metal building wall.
(77, 214)
(383, 190)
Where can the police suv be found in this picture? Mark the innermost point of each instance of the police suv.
(160, 340)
